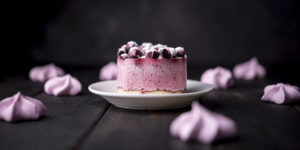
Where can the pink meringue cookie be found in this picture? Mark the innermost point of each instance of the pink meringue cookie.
(65, 85)
(20, 107)
(281, 93)
(43, 73)
(249, 70)
(220, 77)
(109, 71)
(202, 125)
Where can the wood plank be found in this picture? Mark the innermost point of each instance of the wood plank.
(261, 125)
(11, 85)
(68, 120)
(280, 121)
(135, 129)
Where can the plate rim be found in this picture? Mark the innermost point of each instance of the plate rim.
(114, 94)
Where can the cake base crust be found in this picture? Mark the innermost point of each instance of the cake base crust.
(149, 92)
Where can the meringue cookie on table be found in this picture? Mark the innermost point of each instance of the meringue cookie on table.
(220, 77)
(20, 107)
(65, 85)
(43, 73)
(249, 70)
(109, 71)
(281, 93)
(202, 125)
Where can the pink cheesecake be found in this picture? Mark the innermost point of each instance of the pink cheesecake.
(151, 69)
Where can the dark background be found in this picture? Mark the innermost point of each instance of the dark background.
(87, 33)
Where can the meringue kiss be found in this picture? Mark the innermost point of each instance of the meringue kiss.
(281, 93)
(20, 107)
(249, 70)
(43, 73)
(109, 71)
(65, 85)
(202, 125)
(220, 77)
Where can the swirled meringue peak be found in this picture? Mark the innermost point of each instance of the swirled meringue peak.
(20, 107)
(65, 85)
(202, 125)
(43, 73)
(281, 93)
(220, 77)
(109, 71)
(249, 70)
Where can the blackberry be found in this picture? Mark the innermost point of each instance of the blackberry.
(124, 56)
(135, 52)
(180, 52)
(152, 54)
(166, 53)
(155, 54)
(121, 51)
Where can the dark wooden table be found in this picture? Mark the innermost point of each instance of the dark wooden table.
(88, 122)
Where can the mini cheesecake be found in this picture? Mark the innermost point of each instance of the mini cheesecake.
(151, 69)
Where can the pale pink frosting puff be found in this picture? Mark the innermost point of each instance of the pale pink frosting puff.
(202, 125)
(65, 85)
(20, 107)
(43, 73)
(220, 77)
(249, 70)
(281, 93)
(109, 71)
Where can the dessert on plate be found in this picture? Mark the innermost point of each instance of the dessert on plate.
(151, 69)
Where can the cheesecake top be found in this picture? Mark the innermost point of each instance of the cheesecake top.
(147, 50)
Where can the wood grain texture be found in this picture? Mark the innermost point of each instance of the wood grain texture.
(66, 122)
(11, 85)
(135, 129)
(261, 125)
(88, 122)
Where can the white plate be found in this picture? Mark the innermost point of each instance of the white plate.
(108, 90)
